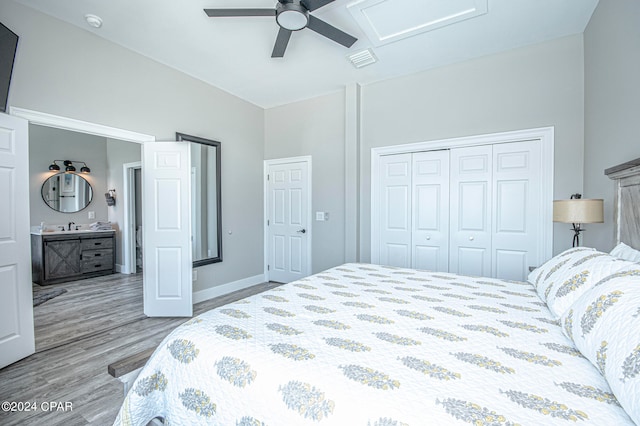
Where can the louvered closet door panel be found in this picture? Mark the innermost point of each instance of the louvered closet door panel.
(430, 210)
(395, 210)
(471, 209)
(516, 187)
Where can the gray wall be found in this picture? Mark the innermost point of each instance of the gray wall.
(536, 86)
(316, 127)
(66, 71)
(612, 104)
(47, 144)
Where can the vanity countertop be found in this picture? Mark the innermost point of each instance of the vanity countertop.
(79, 231)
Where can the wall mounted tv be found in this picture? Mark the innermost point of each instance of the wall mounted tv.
(8, 44)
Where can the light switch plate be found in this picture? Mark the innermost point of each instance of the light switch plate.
(92, 215)
(322, 216)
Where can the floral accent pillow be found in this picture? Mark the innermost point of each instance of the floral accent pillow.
(604, 324)
(552, 267)
(623, 251)
(578, 276)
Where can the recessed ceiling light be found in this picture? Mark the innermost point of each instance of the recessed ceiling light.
(93, 20)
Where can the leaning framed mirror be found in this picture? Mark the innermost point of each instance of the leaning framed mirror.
(206, 200)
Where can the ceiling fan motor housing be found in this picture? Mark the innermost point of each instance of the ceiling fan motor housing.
(292, 15)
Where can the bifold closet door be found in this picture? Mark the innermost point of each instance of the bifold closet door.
(471, 210)
(494, 194)
(395, 210)
(414, 210)
(430, 210)
(517, 191)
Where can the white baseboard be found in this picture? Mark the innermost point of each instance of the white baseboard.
(221, 290)
(118, 268)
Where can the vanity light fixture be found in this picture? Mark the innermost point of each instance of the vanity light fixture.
(69, 167)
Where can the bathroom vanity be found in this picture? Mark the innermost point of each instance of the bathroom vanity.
(71, 255)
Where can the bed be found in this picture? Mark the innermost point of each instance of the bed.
(363, 344)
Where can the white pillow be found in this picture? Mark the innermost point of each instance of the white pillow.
(581, 276)
(623, 251)
(540, 276)
(604, 324)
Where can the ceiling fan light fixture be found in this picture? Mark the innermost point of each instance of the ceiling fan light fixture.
(292, 16)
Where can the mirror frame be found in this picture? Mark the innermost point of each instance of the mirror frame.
(66, 173)
(203, 141)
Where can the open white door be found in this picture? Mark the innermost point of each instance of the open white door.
(166, 213)
(16, 303)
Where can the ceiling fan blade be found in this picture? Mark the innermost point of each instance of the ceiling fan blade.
(281, 43)
(331, 32)
(222, 13)
(312, 5)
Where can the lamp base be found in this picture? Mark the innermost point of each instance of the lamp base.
(576, 236)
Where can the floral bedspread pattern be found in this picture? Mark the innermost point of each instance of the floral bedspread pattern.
(374, 346)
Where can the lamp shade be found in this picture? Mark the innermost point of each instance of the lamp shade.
(580, 210)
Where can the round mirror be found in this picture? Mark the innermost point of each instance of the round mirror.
(67, 192)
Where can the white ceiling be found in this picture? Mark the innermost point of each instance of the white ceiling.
(406, 36)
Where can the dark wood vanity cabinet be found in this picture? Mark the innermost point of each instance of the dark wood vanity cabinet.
(61, 257)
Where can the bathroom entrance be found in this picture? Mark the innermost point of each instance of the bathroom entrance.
(132, 227)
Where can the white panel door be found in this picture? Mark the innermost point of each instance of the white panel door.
(16, 304)
(430, 210)
(395, 210)
(166, 192)
(471, 207)
(288, 228)
(516, 191)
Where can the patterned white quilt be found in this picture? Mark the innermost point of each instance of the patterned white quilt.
(374, 346)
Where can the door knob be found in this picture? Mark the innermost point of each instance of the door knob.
(428, 237)
(302, 231)
(470, 238)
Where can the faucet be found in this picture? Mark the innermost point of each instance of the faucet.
(70, 223)
(61, 227)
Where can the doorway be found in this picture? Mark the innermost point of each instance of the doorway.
(132, 228)
(77, 296)
(288, 218)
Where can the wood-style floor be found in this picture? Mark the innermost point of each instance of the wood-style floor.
(90, 306)
(98, 321)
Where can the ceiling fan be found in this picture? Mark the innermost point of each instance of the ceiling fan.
(291, 15)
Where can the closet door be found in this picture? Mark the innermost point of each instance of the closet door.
(516, 188)
(430, 210)
(395, 210)
(471, 210)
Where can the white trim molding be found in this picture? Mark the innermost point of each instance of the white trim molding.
(267, 164)
(545, 135)
(221, 290)
(66, 123)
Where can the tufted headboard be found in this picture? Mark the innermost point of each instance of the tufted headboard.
(627, 202)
